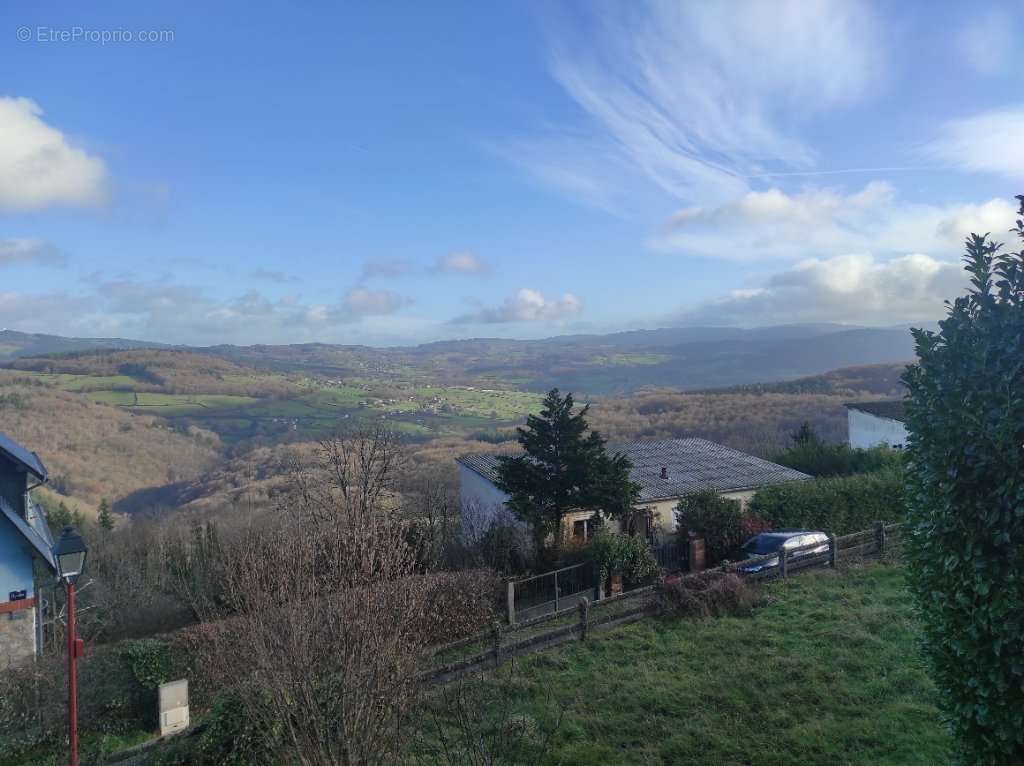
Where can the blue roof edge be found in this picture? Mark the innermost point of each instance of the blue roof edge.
(31, 535)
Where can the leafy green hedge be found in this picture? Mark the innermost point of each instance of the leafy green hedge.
(621, 553)
(838, 505)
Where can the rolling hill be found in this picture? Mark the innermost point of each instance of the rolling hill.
(684, 358)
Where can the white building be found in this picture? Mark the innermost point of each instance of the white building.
(666, 471)
(876, 423)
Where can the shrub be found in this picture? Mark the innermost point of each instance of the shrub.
(819, 458)
(631, 556)
(839, 505)
(459, 603)
(719, 520)
(965, 546)
(708, 594)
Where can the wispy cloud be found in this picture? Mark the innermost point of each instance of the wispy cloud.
(386, 268)
(359, 302)
(39, 167)
(30, 251)
(989, 142)
(821, 222)
(697, 96)
(987, 42)
(273, 275)
(459, 262)
(464, 262)
(527, 305)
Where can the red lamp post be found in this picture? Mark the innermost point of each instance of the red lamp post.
(70, 552)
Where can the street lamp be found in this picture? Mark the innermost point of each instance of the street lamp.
(70, 552)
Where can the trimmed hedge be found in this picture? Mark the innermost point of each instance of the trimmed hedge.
(838, 506)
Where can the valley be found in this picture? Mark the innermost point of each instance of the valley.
(229, 421)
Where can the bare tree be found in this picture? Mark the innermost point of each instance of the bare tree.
(321, 611)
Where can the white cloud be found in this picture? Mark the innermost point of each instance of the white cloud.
(460, 262)
(359, 302)
(856, 289)
(170, 312)
(696, 96)
(386, 268)
(820, 222)
(987, 41)
(29, 251)
(53, 312)
(38, 166)
(989, 142)
(525, 306)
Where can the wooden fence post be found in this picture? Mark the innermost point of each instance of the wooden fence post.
(833, 551)
(511, 602)
(496, 638)
(880, 536)
(784, 562)
(584, 609)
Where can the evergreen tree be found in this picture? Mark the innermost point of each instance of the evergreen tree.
(965, 548)
(565, 467)
(59, 517)
(106, 518)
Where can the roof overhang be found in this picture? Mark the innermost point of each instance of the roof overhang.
(33, 538)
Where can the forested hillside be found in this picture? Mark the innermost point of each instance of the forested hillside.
(93, 451)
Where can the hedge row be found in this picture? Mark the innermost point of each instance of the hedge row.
(839, 505)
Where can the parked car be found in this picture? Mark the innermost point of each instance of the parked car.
(774, 541)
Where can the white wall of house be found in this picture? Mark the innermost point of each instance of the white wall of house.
(867, 430)
(480, 501)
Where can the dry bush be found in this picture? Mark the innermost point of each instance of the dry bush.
(324, 613)
(708, 594)
(459, 604)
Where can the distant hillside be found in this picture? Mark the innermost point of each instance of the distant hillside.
(684, 358)
(880, 379)
(94, 451)
(680, 358)
(14, 344)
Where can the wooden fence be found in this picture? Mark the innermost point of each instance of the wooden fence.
(502, 642)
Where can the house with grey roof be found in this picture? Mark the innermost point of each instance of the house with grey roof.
(666, 471)
(873, 424)
(24, 540)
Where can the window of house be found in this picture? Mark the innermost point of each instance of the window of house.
(582, 529)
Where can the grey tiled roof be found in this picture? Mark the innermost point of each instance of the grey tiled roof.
(892, 409)
(16, 452)
(692, 465)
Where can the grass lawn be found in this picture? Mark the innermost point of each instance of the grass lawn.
(826, 671)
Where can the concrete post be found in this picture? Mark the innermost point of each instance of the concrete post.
(496, 639)
(833, 551)
(584, 609)
(697, 553)
(784, 562)
(511, 603)
(880, 537)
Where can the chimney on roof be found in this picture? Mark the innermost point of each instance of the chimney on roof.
(664, 472)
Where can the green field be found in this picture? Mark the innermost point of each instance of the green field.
(309, 407)
(825, 672)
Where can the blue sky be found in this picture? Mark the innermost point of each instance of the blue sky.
(392, 173)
